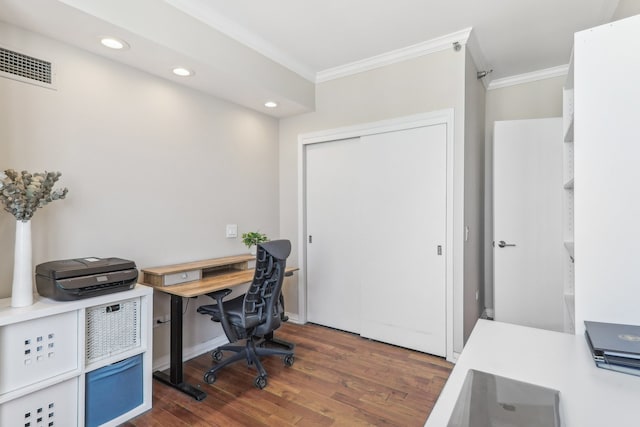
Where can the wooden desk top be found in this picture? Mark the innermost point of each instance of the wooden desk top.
(214, 274)
(213, 283)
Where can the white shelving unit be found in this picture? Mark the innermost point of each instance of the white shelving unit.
(47, 350)
(568, 202)
(607, 206)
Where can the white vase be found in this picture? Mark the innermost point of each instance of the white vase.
(254, 249)
(22, 288)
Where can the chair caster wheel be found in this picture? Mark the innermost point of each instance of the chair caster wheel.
(209, 378)
(260, 382)
(216, 355)
(288, 360)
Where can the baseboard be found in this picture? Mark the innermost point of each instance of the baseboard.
(487, 314)
(293, 318)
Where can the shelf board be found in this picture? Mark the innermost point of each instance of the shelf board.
(194, 271)
(569, 184)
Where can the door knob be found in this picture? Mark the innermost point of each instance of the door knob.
(503, 244)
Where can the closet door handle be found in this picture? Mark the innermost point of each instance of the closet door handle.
(503, 244)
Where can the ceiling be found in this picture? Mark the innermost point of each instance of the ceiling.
(249, 51)
(515, 36)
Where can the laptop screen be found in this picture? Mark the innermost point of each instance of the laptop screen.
(488, 400)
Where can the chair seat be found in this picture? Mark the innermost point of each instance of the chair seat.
(232, 308)
(234, 312)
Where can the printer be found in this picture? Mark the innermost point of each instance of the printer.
(73, 279)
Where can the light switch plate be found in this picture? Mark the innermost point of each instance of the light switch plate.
(232, 230)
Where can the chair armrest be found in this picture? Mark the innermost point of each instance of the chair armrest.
(219, 294)
(228, 329)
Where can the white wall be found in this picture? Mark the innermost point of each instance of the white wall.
(154, 170)
(534, 100)
(423, 84)
(626, 8)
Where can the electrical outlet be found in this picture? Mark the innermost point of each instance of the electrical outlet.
(157, 321)
(161, 320)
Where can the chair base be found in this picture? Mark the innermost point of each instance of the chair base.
(252, 351)
(269, 339)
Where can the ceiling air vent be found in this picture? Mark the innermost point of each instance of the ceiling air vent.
(25, 68)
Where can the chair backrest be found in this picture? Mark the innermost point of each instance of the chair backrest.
(262, 299)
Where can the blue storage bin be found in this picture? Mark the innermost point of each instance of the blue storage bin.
(113, 390)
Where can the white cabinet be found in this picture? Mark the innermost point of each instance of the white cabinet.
(607, 173)
(48, 349)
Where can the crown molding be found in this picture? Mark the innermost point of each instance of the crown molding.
(533, 76)
(200, 11)
(398, 55)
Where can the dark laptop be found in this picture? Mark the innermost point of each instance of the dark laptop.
(614, 343)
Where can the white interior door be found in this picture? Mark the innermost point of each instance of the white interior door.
(527, 194)
(376, 214)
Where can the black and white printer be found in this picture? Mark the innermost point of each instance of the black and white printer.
(73, 279)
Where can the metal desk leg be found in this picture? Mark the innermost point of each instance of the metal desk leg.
(175, 377)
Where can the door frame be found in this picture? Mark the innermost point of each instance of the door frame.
(446, 117)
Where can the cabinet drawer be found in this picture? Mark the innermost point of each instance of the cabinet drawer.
(101, 403)
(38, 349)
(52, 406)
(112, 329)
(183, 277)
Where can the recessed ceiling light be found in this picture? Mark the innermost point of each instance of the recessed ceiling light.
(271, 104)
(114, 43)
(182, 72)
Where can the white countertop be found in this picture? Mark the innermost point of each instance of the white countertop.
(589, 396)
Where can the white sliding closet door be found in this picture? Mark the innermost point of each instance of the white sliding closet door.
(402, 273)
(333, 183)
(376, 211)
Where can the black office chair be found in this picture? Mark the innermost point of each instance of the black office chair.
(253, 316)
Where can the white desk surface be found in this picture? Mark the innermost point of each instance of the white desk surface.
(589, 396)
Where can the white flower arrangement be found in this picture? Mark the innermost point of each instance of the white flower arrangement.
(23, 193)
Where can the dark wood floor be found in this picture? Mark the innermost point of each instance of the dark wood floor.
(338, 379)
